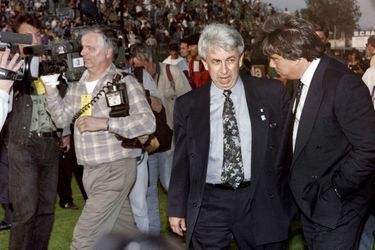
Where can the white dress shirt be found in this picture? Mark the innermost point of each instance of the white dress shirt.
(306, 81)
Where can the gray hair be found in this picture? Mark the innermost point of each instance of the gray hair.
(141, 50)
(219, 35)
(109, 36)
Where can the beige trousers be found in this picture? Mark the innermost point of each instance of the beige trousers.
(107, 208)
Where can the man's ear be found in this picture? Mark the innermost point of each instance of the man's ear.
(241, 60)
(109, 53)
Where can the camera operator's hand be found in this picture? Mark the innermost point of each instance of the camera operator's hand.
(50, 80)
(11, 65)
(91, 124)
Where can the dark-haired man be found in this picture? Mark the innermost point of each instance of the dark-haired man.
(33, 156)
(330, 138)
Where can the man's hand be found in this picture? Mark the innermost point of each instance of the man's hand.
(177, 225)
(11, 65)
(91, 124)
(156, 104)
(143, 138)
(65, 143)
(50, 80)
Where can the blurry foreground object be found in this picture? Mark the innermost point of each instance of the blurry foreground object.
(140, 242)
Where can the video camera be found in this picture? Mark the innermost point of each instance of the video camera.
(6, 41)
(61, 58)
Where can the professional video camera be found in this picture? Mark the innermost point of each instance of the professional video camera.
(7, 39)
(61, 58)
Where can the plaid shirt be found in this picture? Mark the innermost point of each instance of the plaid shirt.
(93, 148)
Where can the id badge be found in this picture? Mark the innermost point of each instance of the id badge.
(39, 87)
(86, 99)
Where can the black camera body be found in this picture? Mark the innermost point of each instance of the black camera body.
(61, 58)
(117, 98)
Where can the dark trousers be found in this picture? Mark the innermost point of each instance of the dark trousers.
(67, 166)
(345, 236)
(33, 173)
(224, 217)
(4, 184)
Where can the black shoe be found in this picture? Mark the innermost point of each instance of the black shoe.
(4, 226)
(70, 205)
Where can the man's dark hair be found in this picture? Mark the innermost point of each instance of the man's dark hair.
(193, 39)
(173, 47)
(292, 38)
(26, 18)
(185, 40)
(371, 40)
(322, 28)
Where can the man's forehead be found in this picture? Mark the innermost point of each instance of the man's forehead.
(220, 52)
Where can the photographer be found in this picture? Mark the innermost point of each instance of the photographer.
(6, 85)
(33, 156)
(109, 168)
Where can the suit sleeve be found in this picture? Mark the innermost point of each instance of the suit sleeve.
(356, 116)
(179, 183)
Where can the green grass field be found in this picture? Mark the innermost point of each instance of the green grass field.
(66, 219)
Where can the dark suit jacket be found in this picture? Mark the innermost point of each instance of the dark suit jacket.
(335, 144)
(269, 209)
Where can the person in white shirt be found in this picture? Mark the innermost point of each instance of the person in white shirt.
(175, 59)
(6, 85)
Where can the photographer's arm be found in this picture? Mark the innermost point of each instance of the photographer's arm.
(61, 110)
(5, 85)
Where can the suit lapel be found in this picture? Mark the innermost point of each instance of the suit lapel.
(200, 124)
(259, 132)
(310, 108)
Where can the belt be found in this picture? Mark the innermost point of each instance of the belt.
(44, 134)
(227, 186)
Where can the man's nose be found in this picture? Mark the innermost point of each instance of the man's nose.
(224, 67)
(272, 63)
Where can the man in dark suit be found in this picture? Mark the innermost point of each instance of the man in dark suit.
(330, 143)
(224, 185)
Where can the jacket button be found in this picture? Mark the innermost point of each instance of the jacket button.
(273, 125)
(194, 204)
(271, 196)
(314, 177)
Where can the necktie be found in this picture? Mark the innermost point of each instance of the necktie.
(290, 124)
(298, 97)
(232, 161)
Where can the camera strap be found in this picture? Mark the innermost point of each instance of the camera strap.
(102, 91)
(6, 74)
(170, 77)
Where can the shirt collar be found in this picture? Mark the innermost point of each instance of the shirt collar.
(236, 89)
(309, 72)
